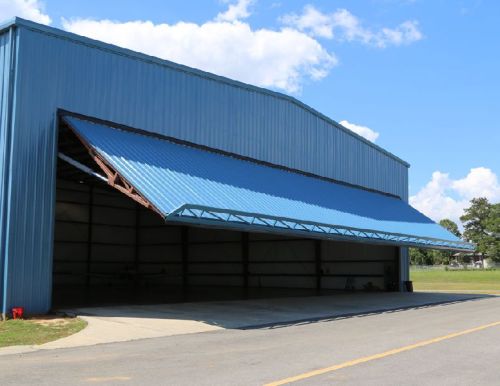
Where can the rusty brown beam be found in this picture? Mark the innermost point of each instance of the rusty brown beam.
(115, 179)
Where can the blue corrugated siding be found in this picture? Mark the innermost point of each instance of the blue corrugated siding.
(59, 72)
(29, 198)
(5, 58)
(222, 115)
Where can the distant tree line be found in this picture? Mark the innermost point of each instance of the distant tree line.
(481, 224)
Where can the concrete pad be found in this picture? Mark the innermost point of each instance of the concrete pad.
(124, 325)
(131, 322)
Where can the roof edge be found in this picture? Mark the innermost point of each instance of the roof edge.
(6, 24)
(17, 21)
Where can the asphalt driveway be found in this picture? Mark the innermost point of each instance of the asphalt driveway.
(452, 343)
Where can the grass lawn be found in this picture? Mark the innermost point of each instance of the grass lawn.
(470, 280)
(37, 330)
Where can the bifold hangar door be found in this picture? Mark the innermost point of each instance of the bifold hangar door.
(144, 218)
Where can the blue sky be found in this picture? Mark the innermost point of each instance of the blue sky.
(424, 75)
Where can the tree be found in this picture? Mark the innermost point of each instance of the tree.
(444, 257)
(421, 256)
(492, 225)
(481, 226)
(451, 226)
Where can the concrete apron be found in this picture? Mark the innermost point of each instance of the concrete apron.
(131, 322)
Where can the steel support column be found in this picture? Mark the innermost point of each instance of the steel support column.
(404, 267)
(136, 243)
(397, 270)
(318, 257)
(185, 257)
(244, 258)
(89, 238)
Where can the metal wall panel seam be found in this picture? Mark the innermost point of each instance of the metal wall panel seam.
(6, 183)
(5, 60)
(52, 198)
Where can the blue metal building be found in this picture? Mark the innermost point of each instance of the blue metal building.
(215, 158)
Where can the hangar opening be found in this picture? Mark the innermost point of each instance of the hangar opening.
(175, 180)
(111, 245)
(109, 250)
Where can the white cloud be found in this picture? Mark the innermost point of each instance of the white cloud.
(480, 182)
(444, 197)
(236, 11)
(364, 131)
(405, 33)
(27, 9)
(344, 26)
(283, 59)
(311, 20)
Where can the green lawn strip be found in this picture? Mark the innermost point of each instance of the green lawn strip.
(456, 280)
(30, 332)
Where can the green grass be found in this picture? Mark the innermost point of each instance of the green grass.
(467, 280)
(37, 331)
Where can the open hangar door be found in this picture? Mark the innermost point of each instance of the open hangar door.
(146, 218)
(110, 249)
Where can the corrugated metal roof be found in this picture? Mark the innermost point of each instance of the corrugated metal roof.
(189, 184)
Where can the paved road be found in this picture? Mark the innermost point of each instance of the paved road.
(454, 344)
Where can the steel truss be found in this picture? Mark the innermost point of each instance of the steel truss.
(199, 213)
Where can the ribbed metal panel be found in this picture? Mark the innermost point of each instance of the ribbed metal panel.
(60, 70)
(191, 106)
(171, 176)
(5, 104)
(29, 181)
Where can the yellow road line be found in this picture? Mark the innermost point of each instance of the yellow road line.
(395, 351)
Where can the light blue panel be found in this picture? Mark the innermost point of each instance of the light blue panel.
(171, 175)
